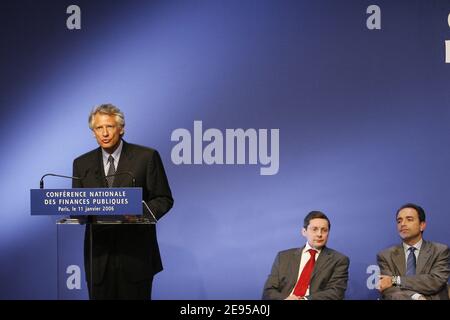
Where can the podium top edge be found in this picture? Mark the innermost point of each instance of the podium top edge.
(140, 221)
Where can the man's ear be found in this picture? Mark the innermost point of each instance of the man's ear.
(422, 226)
(304, 232)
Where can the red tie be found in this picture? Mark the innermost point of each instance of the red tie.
(303, 282)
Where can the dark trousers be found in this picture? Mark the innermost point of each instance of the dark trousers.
(114, 286)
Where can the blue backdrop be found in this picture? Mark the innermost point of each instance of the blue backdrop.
(363, 117)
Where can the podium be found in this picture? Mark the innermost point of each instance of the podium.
(92, 218)
(75, 252)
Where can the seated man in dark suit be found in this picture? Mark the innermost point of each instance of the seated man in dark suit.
(121, 260)
(416, 269)
(312, 272)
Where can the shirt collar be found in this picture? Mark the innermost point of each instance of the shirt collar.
(418, 245)
(115, 154)
(307, 247)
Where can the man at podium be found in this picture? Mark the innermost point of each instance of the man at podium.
(125, 257)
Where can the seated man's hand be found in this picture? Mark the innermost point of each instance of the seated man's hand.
(384, 283)
(293, 297)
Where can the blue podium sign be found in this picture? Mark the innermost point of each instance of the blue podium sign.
(86, 201)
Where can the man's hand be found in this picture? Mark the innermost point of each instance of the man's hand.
(294, 297)
(418, 296)
(384, 283)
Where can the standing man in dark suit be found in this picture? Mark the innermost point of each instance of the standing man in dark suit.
(312, 272)
(416, 269)
(124, 257)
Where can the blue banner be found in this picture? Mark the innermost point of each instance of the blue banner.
(86, 201)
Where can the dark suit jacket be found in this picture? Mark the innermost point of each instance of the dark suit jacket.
(135, 246)
(432, 272)
(328, 280)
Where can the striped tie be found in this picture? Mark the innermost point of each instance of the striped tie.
(411, 262)
(111, 170)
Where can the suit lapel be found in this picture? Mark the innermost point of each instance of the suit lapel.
(294, 268)
(424, 256)
(123, 166)
(398, 257)
(99, 170)
(322, 260)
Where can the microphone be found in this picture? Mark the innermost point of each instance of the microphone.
(128, 173)
(41, 186)
(41, 182)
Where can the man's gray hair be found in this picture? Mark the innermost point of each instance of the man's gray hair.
(108, 109)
